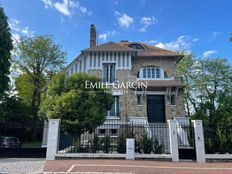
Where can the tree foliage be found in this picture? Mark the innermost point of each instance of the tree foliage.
(12, 108)
(206, 81)
(5, 47)
(38, 58)
(25, 88)
(79, 108)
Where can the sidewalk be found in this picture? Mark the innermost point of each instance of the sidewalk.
(137, 167)
(21, 165)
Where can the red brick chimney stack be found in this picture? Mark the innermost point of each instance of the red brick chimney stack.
(93, 35)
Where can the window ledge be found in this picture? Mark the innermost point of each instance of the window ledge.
(113, 118)
(139, 105)
(170, 78)
(111, 136)
(173, 105)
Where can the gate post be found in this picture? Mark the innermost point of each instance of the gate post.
(130, 148)
(199, 141)
(53, 138)
(173, 140)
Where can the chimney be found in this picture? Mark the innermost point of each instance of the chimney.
(92, 35)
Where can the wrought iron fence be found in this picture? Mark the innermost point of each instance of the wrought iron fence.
(26, 134)
(218, 139)
(111, 138)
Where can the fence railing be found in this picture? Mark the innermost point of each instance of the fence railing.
(111, 138)
(218, 139)
(26, 134)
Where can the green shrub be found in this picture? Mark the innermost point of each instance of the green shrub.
(146, 145)
(137, 146)
(106, 144)
(95, 144)
(121, 144)
(157, 148)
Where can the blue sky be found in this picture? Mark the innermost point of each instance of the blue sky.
(200, 26)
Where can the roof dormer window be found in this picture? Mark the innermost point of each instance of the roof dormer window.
(136, 46)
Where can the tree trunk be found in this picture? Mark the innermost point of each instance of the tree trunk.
(36, 98)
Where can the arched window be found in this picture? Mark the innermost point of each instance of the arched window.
(151, 72)
(136, 46)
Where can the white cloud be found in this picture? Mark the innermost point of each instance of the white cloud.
(16, 39)
(146, 22)
(182, 43)
(151, 41)
(84, 10)
(216, 33)
(105, 35)
(63, 7)
(195, 39)
(47, 3)
(66, 7)
(124, 20)
(17, 29)
(27, 32)
(13, 24)
(209, 53)
(102, 36)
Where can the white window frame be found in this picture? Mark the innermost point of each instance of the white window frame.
(151, 73)
(108, 79)
(116, 104)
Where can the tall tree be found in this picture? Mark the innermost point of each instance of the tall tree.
(183, 69)
(5, 47)
(38, 57)
(205, 80)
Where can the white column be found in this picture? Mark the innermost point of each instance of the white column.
(100, 57)
(87, 63)
(199, 141)
(83, 64)
(130, 148)
(130, 65)
(173, 140)
(117, 61)
(53, 138)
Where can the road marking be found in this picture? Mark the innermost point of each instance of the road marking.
(141, 166)
(71, 168)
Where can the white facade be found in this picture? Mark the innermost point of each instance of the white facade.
(95, 61)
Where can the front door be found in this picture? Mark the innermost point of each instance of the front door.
(156, 109)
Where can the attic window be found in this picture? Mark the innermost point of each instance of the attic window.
(136, 46)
